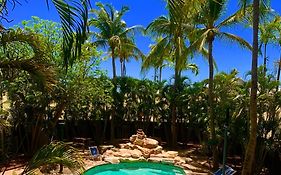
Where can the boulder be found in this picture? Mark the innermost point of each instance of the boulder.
(125, 153)
(108, 153)
(139, 142)
(136, 153)
(113, 160)
(171, 154)
(168, 160)
(154, 159)
(188, 159)
(178, 160)
(150, 143)
(157, 150)
(133, 138)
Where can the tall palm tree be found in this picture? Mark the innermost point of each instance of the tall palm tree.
(277, 40)
(157, 58)
(208, 30)
(173, 31)
(251, 147)
(127, 50)
(111, 31)
(267, 35)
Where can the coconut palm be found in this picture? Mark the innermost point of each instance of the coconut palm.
(267, 35)
(112, 30)
(208, 30)
(251, 147)
(277, 40)
(173, 31)
(157, 58)
(127, 50)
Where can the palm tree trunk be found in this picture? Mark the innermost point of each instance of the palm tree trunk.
(174, 112)
(121, 67)
(264, 59)
(160, 73)
(211, 104)
(155, 74)
(113, 62)
(124, 68)
(278, 73)
(251, 147)
(112, 127)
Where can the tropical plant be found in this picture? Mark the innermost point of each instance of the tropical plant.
(127, 50)
(251, 147)
(268, 34)
(74, 18)
(172, 31)
(208, 30)
(157, 59)
(56, 153)
(112, 31)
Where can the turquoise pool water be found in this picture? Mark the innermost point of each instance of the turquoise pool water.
(135, 168)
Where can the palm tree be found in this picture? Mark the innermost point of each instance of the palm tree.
(157, 58)
(267, 35)
(112, 30)
(278, 41)
(208, 30)
(127, 50)
(173, 31)
(251, 147)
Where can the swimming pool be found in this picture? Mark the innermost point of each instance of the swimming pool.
(135, 168)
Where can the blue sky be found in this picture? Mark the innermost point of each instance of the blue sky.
(228, 56)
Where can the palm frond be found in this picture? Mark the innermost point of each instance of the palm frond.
(74, 19)
(132, 31)
(41, 72)
(233, 38)
(157, 55)
(193, 67)
(237, 17)
(100, 43)
(215, 8)
(56, 153)
(159, 27)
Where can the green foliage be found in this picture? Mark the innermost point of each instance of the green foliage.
(56, 153)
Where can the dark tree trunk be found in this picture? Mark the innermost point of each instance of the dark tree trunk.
(112, 124)
(211, 103)
(160, 73)
(124, 68)
(278, 73)
(264, 59)
(121, 67)
(251, 147)
(155, 74)
(113, 64)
